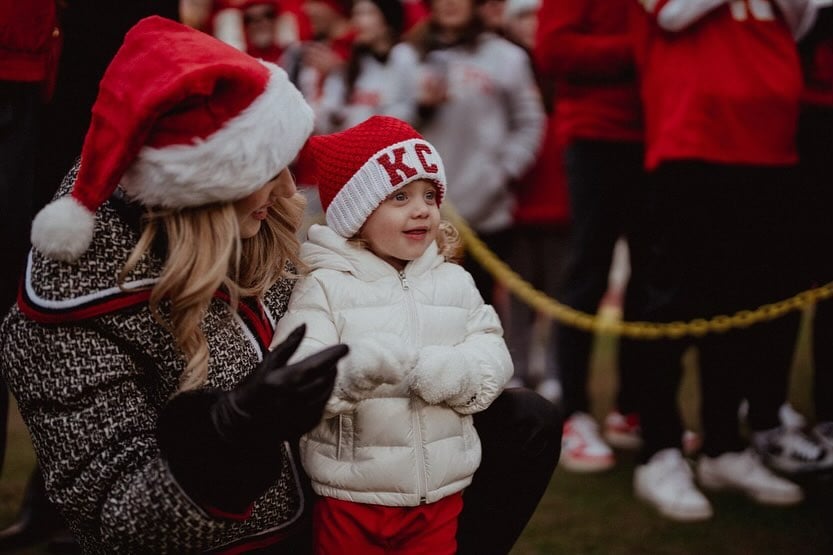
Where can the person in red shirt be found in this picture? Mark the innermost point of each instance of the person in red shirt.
(720, 84)
(585, 45)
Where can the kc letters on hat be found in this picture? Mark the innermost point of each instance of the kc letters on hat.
(360, 167)
(181, 120)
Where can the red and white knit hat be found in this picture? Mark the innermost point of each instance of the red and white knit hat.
(360, 167)
(181, 120)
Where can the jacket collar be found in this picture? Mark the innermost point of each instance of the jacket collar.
(327, 249)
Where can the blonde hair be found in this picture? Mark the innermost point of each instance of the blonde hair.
(449, 243)
(205, 252)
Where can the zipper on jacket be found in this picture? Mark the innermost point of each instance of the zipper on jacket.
(404, 280)
(422, 481)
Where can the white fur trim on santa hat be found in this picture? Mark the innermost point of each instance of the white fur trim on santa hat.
(371, 184)
(63, 229)
(238, 159)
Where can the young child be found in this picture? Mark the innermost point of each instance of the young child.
(397, 445)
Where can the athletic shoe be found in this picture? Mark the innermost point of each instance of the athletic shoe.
(823, 431)
(791, 451)
(582, 450)
(745, 472)
(667, 483)
(549, 389)
(791, 418)
(622, 430)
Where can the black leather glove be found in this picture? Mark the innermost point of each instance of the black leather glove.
(224, 447)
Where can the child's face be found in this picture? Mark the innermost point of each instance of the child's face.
(403, 226)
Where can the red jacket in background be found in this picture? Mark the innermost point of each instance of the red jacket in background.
(541, 195)
(30, 41)
(586, 46)
(725, 89)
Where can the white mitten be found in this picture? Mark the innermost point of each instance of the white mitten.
(441, 375)
(379, 358)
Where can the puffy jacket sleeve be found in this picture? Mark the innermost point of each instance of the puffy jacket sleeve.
(93, 427)
(484, 350)
(677, 15)
(526, 115)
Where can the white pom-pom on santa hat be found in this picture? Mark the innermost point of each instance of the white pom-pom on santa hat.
(64, 229)
(181, 120)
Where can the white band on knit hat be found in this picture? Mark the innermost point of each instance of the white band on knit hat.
(388, 170)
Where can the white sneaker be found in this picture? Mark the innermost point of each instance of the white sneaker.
(746, 473)
(823, 431)
(791, 418)
(791, 451)
(549, 389)
(582, 449)
(667, 483)
(622, 430)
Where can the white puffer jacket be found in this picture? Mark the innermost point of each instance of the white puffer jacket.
(426, 353)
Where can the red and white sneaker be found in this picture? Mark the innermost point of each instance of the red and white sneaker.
(582, 449)
(622, 430)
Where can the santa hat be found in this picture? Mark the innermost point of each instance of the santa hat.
(358, 168)
(181, 120)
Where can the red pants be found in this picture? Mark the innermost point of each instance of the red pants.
(346, 528)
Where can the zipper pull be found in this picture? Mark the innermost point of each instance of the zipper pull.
(404, 280)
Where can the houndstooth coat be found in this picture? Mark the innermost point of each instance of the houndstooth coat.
(91, 370)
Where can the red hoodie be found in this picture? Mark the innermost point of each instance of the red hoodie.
(725, 89)
(586, 46)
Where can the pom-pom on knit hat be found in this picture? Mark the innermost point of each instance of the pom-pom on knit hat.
(181, 120)
(360, 167)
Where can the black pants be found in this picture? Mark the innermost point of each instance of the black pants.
(521, 438)
(606, 184)
(815, 146)
(723, 240)
(20, 107)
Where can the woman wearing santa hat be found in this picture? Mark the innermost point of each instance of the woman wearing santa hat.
(138, 349)
(140, 364)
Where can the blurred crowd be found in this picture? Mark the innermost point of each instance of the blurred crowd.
(700, 131)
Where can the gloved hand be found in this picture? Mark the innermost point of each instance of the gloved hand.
(442, 375)
(379, 358)
(224, 447)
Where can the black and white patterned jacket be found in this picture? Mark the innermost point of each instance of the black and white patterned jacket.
(91, 370)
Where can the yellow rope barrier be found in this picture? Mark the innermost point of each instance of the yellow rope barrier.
(541, 302)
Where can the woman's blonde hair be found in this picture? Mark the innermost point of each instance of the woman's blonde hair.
(449, 243)
(205, 252)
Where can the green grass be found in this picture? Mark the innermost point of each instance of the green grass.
(597, 514)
